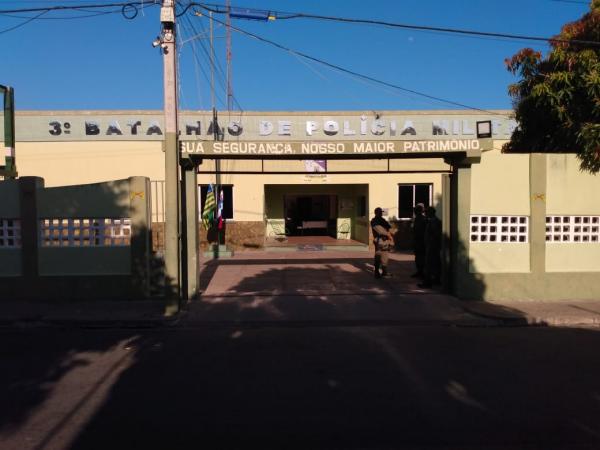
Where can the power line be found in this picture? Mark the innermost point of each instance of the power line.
(280, 15)
(571, 1)
(23, 23)
(63, 18)
(79, 7)
(356, 74)
(220, 72)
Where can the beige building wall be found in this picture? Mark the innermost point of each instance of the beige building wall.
(574, 194)
(500, 187)
(71, 163)
(248, 191)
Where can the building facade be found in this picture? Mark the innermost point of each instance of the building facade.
(518, 226)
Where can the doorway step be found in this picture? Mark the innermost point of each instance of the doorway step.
(314, 243)
(217, 251)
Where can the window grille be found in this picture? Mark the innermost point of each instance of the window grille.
(85, 232)
(409, 195)
(577, 229)
(503, 229)
(10, 233)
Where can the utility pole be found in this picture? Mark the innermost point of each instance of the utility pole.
(167, 43)
(228, 57)
(9, 169)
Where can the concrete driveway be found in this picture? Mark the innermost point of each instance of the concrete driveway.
(324, 286)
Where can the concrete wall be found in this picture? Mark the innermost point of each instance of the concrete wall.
(98, 200)
(89, 241)
(571, 192)
(546, 268)
(500, 186)
(10, 210)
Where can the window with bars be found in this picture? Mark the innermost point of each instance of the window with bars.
(503, 229)
(92, 232)
(409, 195)
(10, 233)
(577, 229)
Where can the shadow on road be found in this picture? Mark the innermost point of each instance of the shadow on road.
(354, 387)
(301, 387)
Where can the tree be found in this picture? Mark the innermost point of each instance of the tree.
(557, 100)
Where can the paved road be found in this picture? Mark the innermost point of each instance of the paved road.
(309, 387)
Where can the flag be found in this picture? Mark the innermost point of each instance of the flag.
(208, 213)
(220, 210)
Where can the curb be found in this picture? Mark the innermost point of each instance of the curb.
(529, 320)
(504, 320)
(91, 323)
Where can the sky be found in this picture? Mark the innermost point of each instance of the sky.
(64, 61)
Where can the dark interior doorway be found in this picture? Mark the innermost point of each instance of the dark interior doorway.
(311, 215)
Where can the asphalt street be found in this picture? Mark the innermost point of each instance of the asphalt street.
(303, 386)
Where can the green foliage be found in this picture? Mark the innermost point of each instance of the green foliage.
(557, 99)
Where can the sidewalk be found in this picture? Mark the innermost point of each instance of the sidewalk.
(307, 288)
(568, 313)
(85, 314)
(281, 310)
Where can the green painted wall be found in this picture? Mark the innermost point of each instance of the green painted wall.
(10, 262)
(70, 261)
(109, 199)
(9, 194)
(10, 208)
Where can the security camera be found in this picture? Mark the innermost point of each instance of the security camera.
(156, 42)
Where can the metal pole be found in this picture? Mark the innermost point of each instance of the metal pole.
(172, 219)
(228, 57)
(9, 170)
(212, 64)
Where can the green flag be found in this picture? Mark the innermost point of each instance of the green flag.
(210, 208)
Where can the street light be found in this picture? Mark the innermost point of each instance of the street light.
(484, 129)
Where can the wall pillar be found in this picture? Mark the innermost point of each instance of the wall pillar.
(28, 187)
(446, 216)
(537, 233)
(460, 223)
(191, 242)
(139, 213)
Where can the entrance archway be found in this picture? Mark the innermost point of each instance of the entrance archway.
(454, 187)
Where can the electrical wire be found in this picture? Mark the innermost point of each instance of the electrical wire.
(288, 16)
(23, 23)
(198, 65)
(357, 74)
(219, 68)
(64, 18)
(571, 1)
(79, 7)
(207, 57)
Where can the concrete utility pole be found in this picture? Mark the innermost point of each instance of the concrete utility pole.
(172, 218)
(9, 169)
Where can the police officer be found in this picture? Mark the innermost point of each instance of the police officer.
(384, 242)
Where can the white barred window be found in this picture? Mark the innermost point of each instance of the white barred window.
(10, 233)
(503, 229)
(85, 232)
(578, 229)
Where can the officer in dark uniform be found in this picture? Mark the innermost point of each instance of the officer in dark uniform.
(419, 225)
(433, 247)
